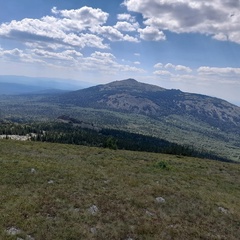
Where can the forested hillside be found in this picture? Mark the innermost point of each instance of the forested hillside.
(68, 133)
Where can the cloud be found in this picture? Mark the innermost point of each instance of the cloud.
(68, 55)
(169, 65)
(58, 41)
(151, 34)
(17, 55)
(47, 30)
(205, 70)
(158, 65)
(107, 64)
(178, 67)
(70, 60)
(86, 16)
(220, 82)
(84, 40)
(75, 28)
(126, 26)
(113, 34)
(161, 72)
(217, 18)
(204, 75)
(173, 67)
(183, 68)
(12, 54)
(220, 37)
(126, 17)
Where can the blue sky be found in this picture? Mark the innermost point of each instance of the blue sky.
(190, 45)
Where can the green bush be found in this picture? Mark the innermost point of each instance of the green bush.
(162, 165)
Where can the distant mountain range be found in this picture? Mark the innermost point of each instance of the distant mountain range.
(12, 85)
(131, 96)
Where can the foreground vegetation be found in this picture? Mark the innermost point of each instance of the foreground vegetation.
(56, 191)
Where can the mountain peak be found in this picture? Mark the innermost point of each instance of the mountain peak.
(136, 97)
(131, 84)
(130, 80)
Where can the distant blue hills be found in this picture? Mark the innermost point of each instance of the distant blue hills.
(12, 85)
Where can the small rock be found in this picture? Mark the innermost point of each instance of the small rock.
(33, 170)
(149, 213)
(160, 200)
(30, 237)
(76, 209)
(50, 182)
(106, 181)
(223, 210)
(93, 230)
(93, 209)
(13, 231)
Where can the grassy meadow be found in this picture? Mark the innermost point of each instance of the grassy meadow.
(56, 191)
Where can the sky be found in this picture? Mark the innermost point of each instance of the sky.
(191, 45)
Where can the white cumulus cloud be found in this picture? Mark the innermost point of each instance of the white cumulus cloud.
(75, 28)
(205, 70)
(86, 16)
(151, 34)
(126, 26)
(158, 65)
(217, 18)
(113, 34)
(173, 67)
(162, 72)
(126, 17)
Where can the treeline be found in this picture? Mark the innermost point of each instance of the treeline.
(108, 138)
(19, 129)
